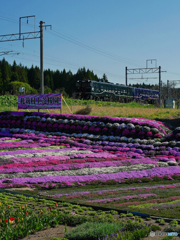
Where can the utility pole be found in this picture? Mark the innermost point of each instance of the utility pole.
(168, 89)
(159, 86)
(29, 35)
(41, 57)
(126, 76)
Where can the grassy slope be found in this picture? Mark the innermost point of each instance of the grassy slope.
(105, 109)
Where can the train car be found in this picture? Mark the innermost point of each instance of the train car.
(146, 95)
(102, 91)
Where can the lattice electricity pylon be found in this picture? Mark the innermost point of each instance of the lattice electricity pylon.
(29, 35)
(143, 71)
(15, 36)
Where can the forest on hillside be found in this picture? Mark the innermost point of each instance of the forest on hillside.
(14, 76)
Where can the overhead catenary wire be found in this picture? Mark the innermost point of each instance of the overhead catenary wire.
(78, 42)
(91, 48)
(57, 61)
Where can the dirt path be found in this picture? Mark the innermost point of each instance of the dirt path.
(47, 234)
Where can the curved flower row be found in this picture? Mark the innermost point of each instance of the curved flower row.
(116, 190)
(94, 149)
(140, 196)
(157, 171)
(81, 124)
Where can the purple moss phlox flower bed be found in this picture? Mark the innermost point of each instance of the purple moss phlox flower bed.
(138, 146)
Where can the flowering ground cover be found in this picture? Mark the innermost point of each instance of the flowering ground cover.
(124, 163)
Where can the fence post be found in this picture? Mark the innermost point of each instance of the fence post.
(61, 104)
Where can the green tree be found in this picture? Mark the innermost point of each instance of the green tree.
(14, 66)
(14, 88)
(14, 77)
(48, 78)
(22, 74)
(6, 72)
(1, 82)
(34, 77)
(62, 91)
(14, 70)
(104, 78)
(47, 90)
(56, 79)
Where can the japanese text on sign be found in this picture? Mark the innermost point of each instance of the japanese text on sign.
(39, 101)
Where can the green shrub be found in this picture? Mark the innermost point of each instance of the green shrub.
(91, 230)
(160, 221)
(174, 223)
(172, 229)
(167, 238)
(113, 212)
(129, 215)
(155, 228)
(135, 234)
(131, 226)
(14, 86)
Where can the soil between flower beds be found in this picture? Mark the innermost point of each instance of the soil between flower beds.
(47, 234)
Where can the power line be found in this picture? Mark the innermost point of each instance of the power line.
(29, 35)
(78, 42)
(91, 48)
(84, 45)
(8, 52)
(55, 59)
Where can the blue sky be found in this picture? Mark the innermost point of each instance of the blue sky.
(104, 36)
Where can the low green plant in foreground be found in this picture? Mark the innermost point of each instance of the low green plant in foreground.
(167, 238)
(21, 216)
(105, 231)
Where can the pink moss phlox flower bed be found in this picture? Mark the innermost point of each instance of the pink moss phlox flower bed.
(140, 196)
(95, 149)
(114, 191)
